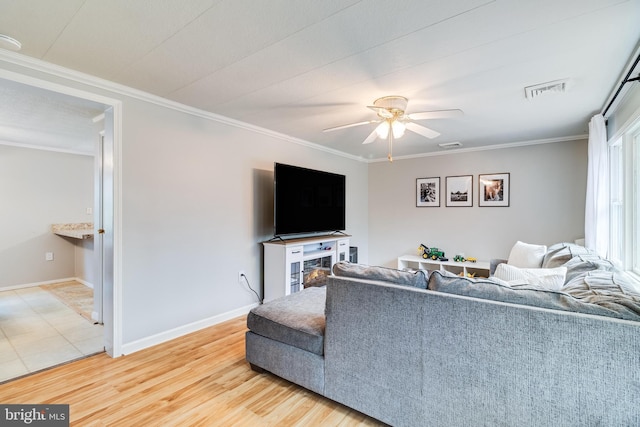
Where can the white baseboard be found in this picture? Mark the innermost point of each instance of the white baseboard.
(162, 337)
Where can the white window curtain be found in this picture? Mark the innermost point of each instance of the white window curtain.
(596, 223)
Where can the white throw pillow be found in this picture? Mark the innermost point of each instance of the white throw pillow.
(526, 255)
(548, 278)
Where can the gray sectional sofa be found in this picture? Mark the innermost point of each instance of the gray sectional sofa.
(429, 349)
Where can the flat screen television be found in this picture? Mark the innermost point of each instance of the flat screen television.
(307, 200)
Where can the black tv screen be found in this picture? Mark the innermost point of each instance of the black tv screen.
(307, 200)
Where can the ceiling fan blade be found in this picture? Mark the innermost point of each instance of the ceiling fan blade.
(436, 114)
(372, 137)
(350, 125)
(380, 111)
(421, 130)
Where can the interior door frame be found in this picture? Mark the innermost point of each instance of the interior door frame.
(98, 219)
(112, 276)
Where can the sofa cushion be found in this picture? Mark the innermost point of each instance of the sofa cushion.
(580, 265)
(297, 319)
(417, 279)
(526, 255)
(611, 289)
(498, 290)
(548, 278)
(560, 253)
(531, 295)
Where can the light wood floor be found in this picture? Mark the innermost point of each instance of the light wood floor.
(201, 379)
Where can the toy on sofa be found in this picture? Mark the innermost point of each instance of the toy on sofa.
(433, 253)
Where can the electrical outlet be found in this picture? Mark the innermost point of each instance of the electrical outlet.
(241, 276)
(48, 256)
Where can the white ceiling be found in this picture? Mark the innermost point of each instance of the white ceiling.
(44, 119)
(300, 66)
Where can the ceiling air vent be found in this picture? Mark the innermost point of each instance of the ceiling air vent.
(556, 86)
(449, 145)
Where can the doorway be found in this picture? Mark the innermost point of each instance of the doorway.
(104, 303)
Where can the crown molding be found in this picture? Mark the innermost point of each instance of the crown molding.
(45, 148)
(103, 84)
(486, 148)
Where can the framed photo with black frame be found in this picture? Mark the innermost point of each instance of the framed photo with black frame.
(428, 192)
(459, 191)
(495, 190)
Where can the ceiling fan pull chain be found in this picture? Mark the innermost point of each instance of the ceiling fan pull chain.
(390, 146)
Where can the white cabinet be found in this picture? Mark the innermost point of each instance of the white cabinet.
(414, 262)
(291, 265)
(343, 250)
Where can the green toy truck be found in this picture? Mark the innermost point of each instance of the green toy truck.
(433, 253)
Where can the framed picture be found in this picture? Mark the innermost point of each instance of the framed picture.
(494, 189)
(460, 190)
(428, 192)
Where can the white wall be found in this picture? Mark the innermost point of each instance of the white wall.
(548, 184)
(197, 203)
(85, 269)
(39, 188)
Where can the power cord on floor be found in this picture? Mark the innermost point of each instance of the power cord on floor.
(249, 285)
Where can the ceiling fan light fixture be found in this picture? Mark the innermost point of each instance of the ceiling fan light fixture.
(383, 129)
(10, 43)
(392, 122)
(397, 128)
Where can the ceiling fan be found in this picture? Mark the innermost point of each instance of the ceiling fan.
(392, 120)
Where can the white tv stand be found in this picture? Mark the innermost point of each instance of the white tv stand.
(291, 265)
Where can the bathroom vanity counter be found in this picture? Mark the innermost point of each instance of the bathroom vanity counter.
(78, 230)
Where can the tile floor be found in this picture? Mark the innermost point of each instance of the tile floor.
(38, 331)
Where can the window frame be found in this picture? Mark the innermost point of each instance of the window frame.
(624, 201)
(616, 202)
(634, 208)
